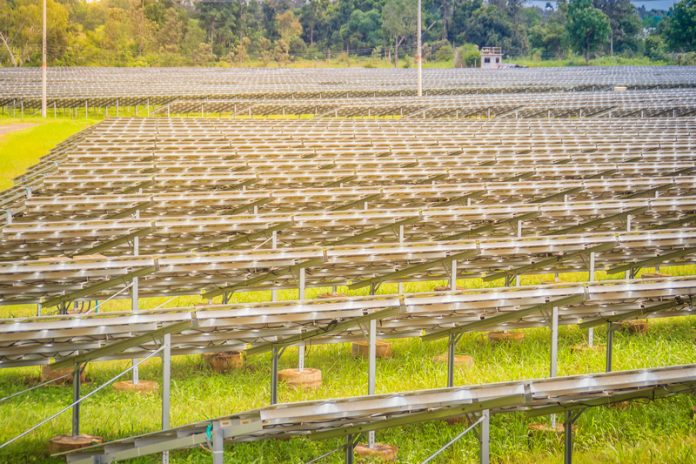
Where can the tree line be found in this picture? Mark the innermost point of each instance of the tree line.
(235, 32)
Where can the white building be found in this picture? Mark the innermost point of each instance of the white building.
(491, 58)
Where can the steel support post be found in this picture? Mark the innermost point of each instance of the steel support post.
(135, 296)
(76, 398)
(218, 444)
(610, 343)
(301, 348)
(372, 372)
(485, 452)
(166, 386)
(274, 375)
(554, 351)
(568, 432)
(401, 240)
(591, 278)
(274, 245)
(38, 309)
(349, 449)
(453, 275)
(451, 345)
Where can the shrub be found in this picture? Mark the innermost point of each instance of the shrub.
(467, 56)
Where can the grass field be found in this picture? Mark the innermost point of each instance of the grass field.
(658, 432)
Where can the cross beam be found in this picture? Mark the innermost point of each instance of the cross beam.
(504, 317)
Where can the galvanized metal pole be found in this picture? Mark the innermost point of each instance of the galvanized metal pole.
(554, 351)
(568, 430)
(44, 63)
(135, 297)
(419, 51)
(218, 444)
(485, 453)
(274, 245)
(349, 449)
(610, 344)
(166, 387)
(453, 275)
(590, 331)
(401, 240)
(450, 359)
(76, 399)
(372, 372)
(274, 375)
(301, 348)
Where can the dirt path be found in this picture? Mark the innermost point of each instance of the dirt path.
(7, 128)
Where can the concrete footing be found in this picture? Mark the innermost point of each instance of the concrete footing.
(381, 452)
(306, 378)
(63, 443)
(446, 288)
(224, 362)
(633, 327)
(460, 360)
(585, 348)
(143, 386)
(49, 373)
(361, 349)
(510, 337)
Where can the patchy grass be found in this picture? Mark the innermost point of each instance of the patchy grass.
(22, 149)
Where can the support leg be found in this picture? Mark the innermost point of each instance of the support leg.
(610, 343)
(568, 451)
(591, 278)
(274, 376)
(553, 370)
(450, 360)
(301, 294)
(485, 454)
(76, 397)
(372, 371)
(166, 387)
(349, 449)
(218, 444)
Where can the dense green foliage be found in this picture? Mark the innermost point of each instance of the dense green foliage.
(234, 32)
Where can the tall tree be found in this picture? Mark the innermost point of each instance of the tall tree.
(588, 28)
(680, 28)
(625, 24)
(399, 22)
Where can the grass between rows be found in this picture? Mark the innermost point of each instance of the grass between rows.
(659, 432)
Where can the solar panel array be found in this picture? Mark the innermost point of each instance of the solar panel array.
(491, 186)
(100, 87)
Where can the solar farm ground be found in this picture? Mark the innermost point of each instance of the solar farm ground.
(662, 431)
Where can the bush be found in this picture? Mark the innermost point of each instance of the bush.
(439, 51)
(686, 59)
(467, 56)
(655, 48)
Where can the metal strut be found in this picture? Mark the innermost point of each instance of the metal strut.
(610, 344)
(276, 353)
(570, 419)
(451, 345)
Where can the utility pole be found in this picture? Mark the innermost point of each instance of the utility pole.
(419, 52)
(44, 64)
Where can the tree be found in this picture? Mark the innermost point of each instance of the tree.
(625, 24)
(398, 22)
(588, 28)
(680, 27)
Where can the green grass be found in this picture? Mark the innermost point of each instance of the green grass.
(535, 62)
(659, 432)
(21, 149)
